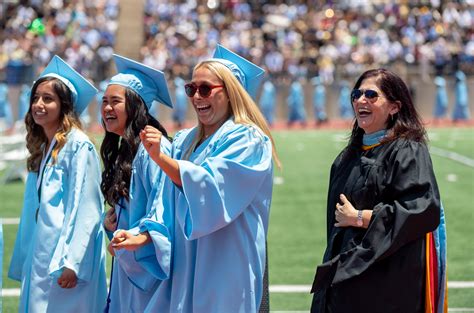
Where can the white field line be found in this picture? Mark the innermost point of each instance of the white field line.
(15, 292)
(10, 220)
(452, 156)
(307, 288)
(449, 310)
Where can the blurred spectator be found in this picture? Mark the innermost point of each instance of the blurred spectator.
(180, 103)
(345, 106)
(268, 101)
(461, 103)
(319, 101)
(441, 99)
(295, 100)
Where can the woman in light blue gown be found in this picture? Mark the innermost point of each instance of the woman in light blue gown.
(461, 104)
(59, 253)
(296, 100)
(215, 202)
(130, 179)
(268, 101)
(441, 99)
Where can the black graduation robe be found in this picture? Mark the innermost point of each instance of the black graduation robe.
(381, 268)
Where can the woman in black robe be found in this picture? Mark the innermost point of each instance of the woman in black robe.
(382, 200)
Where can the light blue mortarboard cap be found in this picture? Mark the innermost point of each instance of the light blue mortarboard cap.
(247, 73)
(148, 83)
(81, 89)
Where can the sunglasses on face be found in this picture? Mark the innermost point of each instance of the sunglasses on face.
(205, 90)
(369, 94)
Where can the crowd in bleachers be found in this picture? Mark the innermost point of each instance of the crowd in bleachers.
(32, 32)
(309, 38)
(334, 41)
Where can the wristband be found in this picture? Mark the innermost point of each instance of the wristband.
(360, 222)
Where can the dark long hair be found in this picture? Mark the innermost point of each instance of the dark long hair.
(404, 124)
(35, 135)
(117, 152)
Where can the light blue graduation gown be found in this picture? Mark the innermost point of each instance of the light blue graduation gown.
(345, 107)
(461, 104)
(132, 285)
(181, 103)
(220, 223)
(295, 101)
(4, 104)
(319, 103)
(267, 101)
(68, 233)
(441, 100)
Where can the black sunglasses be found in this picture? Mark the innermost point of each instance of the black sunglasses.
(204, 89)
(368, 94)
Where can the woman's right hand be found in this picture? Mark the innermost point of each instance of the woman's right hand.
(110, 220)
(151, 139)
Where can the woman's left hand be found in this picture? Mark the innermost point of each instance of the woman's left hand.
(127, 241)
(68, 279)
(346, 214)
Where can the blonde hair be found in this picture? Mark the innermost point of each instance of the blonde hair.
(242, 107)
(35, 136)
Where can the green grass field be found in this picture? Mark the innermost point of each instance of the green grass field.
(297, 232)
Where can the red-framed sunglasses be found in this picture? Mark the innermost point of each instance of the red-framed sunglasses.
(205, 90)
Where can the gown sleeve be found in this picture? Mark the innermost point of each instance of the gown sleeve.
(26, 228)
(83, 209)
(138, 265)
(216, 191)
(410, 208)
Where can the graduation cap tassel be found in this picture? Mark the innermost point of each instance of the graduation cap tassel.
(107, 304)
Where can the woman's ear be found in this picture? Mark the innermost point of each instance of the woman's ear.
(395, 107)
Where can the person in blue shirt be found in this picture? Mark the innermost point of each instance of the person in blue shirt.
(59, 253)
(131, 180)
(215, 202)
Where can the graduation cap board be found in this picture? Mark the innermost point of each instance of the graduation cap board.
(81, 89)
(247, 73)
(148, 83)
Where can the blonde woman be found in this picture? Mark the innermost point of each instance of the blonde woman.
(216, 198)
(59, 254)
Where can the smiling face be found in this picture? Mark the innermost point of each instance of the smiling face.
(46, 107)
(372, 114)
(113, 109)
(214, 110)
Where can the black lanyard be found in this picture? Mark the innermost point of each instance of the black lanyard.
(48, 157)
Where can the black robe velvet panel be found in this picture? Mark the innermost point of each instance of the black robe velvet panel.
(381, 268)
